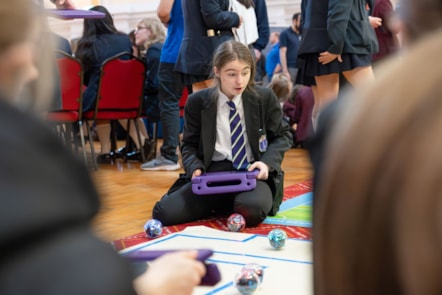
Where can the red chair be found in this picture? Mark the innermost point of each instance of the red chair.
(183, 101)
(182, 104)
(71, 82)
(120, 92)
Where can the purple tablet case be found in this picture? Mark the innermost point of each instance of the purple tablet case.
(74, 13)
(224, 182)
(212, 276)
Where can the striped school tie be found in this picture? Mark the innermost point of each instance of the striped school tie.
(239, 156)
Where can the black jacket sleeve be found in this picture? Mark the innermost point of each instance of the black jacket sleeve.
(263, 25)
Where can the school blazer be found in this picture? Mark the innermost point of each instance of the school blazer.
(336, 26)
(261, 110)
(195, 56)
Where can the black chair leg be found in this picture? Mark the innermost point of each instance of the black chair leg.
(113, 138)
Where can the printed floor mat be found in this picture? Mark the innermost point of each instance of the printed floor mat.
(294, 216)
(286, 271)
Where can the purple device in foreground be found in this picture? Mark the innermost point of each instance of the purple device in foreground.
(224, 182)
(74, 13)
(212, 276)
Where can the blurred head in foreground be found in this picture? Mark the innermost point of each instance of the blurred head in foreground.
(23, 57)
(378, 219)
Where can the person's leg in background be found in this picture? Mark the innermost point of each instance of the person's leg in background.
(293, 74)
(103, 129)
(170, 91)
(359, 75)
(327, 90)
(145, 143)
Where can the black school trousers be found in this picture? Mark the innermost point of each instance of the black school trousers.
(183, 205)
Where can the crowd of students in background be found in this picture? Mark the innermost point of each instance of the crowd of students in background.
(173, 69)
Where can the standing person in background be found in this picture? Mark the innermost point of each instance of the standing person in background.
(414, 19)
(207, 24)
(171, 86)
(273, 64)
(380, 233)
(337, 37)
(263, 36)
(50, 248)
(386, 36)
(288, 48)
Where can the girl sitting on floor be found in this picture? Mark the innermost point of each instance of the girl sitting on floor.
(208, 145)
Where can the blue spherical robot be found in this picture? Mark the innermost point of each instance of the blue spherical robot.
(153, 228)
(277, 238)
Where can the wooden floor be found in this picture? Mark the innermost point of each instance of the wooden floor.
(128, 193)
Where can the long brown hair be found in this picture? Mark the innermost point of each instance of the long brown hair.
(92, 28)
(233, 50)
(377, 220)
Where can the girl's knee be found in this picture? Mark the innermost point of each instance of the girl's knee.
(252, 216)
(157, 212)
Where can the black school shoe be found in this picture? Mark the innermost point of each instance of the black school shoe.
(135, 155)
(105, 158)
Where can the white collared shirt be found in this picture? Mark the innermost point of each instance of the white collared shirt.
(223, 144)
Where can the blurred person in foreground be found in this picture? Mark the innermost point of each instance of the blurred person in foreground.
(414, 19)
(382, 226)
(48, 198)
(378, 231)
(387, 38)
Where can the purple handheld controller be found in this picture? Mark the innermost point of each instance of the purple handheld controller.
(212, 276)
(74, 13)
(224, 182)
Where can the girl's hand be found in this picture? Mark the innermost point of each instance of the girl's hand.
(375, 22)
(327, 57)
(263, 170)
(174, 273)
(63, 4)
(197, 172)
